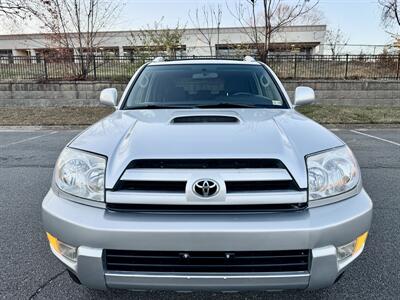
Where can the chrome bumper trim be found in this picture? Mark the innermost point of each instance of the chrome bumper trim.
(207, 282)
(226, 277)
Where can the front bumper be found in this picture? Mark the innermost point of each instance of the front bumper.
(320, 229)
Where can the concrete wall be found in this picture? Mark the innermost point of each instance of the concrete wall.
(65, 93)
(351, 92)
(28, 93)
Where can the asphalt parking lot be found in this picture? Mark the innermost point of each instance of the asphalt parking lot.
(29, 270)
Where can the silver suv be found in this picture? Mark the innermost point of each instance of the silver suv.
(205, 177)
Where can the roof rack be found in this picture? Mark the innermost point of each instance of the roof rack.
(158, 59)
(249, 58)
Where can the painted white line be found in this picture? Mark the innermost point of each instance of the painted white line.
(19, 129)
(376, 137)
(28, 139)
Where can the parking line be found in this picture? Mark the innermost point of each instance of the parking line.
(376, 137)
(28, 139)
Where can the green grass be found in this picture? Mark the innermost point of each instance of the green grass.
(52, 116)
(70, 116)
(329, 114)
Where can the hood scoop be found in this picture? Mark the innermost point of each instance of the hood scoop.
(204, 119)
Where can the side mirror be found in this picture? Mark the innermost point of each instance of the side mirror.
(109, 97)
(303, 95)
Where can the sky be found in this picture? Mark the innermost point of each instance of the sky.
(359, 19)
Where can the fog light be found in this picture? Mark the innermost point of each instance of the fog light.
(61, 248)
(351, 248)
(345, 251)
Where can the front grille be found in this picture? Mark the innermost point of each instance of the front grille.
(259, 186)
(231, 186)
(248, 185)
(205, 164)
(153, 186)
(207, 262)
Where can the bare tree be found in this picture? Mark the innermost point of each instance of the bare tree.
(207, 22)
(390, 11)
(336, 40)
(313, 17)
(15, 8)
(391, 16)
(158, 39)
(247, 17)
(75, 25)
(275, 14)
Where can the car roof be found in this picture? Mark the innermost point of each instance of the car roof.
(203, 61)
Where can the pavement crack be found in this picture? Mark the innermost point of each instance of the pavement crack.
(41, 287)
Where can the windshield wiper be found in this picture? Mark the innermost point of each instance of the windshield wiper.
(156, 106)
(229, 105)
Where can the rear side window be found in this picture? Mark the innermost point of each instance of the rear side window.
(198, 84)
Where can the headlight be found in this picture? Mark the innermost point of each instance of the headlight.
(80, 174)
(332, 173)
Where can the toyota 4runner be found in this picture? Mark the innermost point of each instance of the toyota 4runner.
(205, 177)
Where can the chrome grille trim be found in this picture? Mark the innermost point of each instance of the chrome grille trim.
(284, 197)
(225, 174)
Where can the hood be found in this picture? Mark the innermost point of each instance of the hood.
(156, 134)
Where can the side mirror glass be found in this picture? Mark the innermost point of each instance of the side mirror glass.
(109, 97)
(303, 95)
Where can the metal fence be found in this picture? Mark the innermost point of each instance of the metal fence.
(122, 68)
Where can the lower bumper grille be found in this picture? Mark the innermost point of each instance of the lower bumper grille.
(207, 262)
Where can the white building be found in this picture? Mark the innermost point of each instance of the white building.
(292, 39)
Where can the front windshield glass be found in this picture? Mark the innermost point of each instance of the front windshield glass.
(204, 85)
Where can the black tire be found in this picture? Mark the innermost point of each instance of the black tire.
(74, 277)
(339, 277)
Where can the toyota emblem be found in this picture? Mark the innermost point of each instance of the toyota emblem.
(205, 188)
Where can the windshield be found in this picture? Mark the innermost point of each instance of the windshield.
(204, 86)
